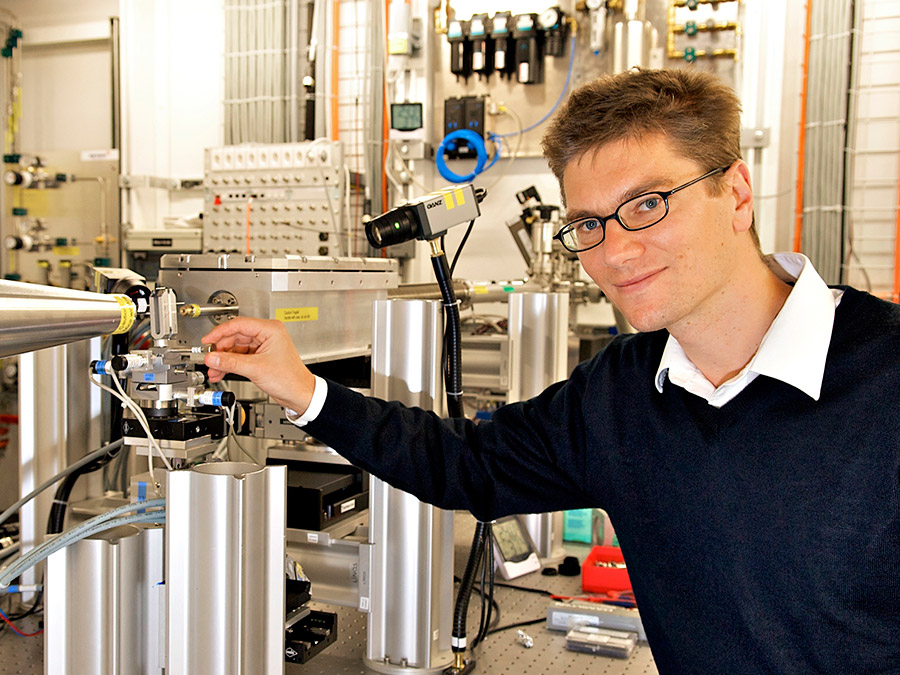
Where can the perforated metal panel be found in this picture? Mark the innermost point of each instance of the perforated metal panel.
(500, 652)
(22, 655)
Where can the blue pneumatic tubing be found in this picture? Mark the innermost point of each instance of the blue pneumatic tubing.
(472, 139)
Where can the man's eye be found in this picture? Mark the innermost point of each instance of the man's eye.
(650, 203)
(588, 225)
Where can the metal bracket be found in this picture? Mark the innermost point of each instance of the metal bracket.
(755, 138)
(128, 181)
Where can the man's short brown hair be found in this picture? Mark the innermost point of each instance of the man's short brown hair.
(697, 112)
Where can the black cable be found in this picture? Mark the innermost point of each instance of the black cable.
(521, 624)
(461, 244)
(525, 589)
(495, 608)
(490, 554)
(487, 570)
(481, 592)
(453, 370)
(458, 643)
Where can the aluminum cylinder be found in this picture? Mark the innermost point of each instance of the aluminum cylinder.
(35, 317)
(635, 55)
(411, 603)
(225, 569)
(102, 602)
(538, 339)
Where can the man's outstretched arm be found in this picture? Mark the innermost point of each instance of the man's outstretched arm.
(261, 350)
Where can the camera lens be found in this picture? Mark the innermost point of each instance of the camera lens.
(394, 227)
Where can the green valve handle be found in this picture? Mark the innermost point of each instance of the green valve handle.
(690, 54)
(692, 4)
(690, 28)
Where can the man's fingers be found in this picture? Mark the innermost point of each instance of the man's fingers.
(237, 328)
(236, 343)
(221, 363)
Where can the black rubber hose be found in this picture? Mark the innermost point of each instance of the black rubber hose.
(56, 521)
(454, 336)
(453, 377)
(458, 640)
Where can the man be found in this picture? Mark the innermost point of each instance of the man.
(743, 442)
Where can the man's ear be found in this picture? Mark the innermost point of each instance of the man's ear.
(743, 196)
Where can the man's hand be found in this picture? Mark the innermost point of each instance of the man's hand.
(261, 351)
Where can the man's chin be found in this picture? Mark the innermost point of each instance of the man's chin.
(643, 322)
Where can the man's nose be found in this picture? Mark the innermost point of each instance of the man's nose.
(620, 246)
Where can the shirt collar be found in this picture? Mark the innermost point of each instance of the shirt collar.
(794, 348)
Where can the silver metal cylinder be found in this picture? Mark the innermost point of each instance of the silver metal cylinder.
(102, 604)
(34, 316)
(412, 542)
(635, 54)
(538, 339)
(618, 48)
(225, 569)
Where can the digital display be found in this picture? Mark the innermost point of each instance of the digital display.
(406, 116)
(511, 540)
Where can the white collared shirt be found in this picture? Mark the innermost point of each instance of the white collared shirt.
(793, 350)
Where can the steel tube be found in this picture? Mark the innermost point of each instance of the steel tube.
(468, 292)
(412, 543)
(34, 317)
(225, 569)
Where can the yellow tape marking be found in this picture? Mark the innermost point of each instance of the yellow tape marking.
(460, 196)
(286, 314)
(67, 250)
(127, 313)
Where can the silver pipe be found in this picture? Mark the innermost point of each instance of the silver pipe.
(18, 289)
(225, 569)
(468, 292)
(43, 317)
(291, 74)
(850, 141)
(116, 58)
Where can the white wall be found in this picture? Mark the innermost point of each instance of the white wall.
(172, 79)
(874, 183)
(66, 97)
(172, 69)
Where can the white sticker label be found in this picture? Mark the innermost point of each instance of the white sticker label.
(99, 155)
(312, 537)
(349, 505)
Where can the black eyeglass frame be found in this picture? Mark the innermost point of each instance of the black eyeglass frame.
(664, 194)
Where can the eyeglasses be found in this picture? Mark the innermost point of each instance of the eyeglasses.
(638, 213)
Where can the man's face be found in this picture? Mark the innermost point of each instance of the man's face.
(676, 273)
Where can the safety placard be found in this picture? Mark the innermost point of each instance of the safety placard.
(287, 314)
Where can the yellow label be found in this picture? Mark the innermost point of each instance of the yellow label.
(481, 290)
(126, 313)
(448, 201)
(67, 250)
(460, 196)
(398, 45)
(286, 314)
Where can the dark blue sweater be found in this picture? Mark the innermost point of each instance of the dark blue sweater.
(761, 537)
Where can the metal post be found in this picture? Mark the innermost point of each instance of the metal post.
(225, 569)
(59, 422)
(103, 602)
(538, 338)
(412, 543)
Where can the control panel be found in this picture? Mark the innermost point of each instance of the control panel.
(276, 199)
